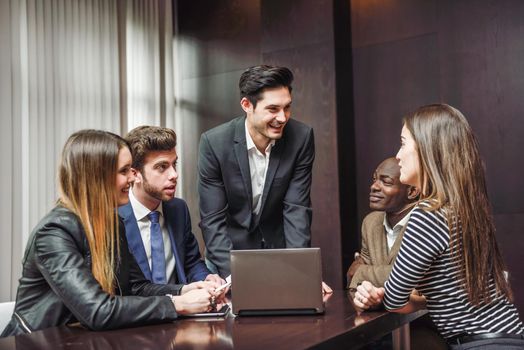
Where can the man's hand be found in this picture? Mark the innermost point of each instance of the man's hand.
(326, 289)
(199, 285)
(368, 296)
(215, 278)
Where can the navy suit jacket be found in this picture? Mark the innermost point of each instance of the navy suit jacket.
(189, 266)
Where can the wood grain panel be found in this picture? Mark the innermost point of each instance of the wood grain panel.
(390, 80)
(481, 54)
(286, 24)
(314, 104)
(379, 21)
(223, 35)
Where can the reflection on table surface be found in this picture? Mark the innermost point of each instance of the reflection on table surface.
(194, 334)
(339, 325)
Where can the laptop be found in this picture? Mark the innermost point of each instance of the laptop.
(276, 281)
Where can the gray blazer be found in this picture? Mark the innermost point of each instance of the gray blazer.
(224, 188)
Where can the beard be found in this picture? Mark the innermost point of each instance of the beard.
(153, 191)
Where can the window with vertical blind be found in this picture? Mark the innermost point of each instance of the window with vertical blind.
(66, 66)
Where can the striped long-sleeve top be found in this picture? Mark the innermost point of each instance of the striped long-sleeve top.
(424, 263)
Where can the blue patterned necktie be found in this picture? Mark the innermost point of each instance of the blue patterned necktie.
(158, 262)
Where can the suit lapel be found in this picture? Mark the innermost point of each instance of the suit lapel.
(240, 148)
(274, 161)
(176, 236)
(134, 239)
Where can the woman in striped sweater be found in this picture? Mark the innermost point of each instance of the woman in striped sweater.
(449, 253)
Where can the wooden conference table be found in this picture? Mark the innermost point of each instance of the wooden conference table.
(339, 328)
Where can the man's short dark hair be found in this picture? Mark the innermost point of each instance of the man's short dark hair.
(145, 139)
(256, 79)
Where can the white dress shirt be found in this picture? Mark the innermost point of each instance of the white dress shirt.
(392, 233)
(258, 164)
(144, 225)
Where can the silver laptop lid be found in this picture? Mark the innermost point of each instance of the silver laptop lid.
(276, 281)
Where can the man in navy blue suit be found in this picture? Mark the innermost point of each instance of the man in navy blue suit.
(158, 225)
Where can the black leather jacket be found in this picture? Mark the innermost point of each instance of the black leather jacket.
(57, 286)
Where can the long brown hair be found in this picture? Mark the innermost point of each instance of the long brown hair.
(86, 178)
(452, 177)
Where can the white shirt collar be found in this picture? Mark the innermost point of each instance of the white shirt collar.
(251, 144)
(140, 210)
(393, 233)
(400, 225)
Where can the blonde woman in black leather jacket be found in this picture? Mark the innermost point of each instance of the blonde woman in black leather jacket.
(77, 266)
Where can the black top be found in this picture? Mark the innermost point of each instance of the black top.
(58, 287)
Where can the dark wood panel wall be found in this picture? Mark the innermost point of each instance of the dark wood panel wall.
(219, 39)
(466, 53)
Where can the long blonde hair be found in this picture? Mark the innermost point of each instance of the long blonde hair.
(86, 178)
(452, 177)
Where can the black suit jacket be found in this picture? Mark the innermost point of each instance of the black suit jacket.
(224, 187)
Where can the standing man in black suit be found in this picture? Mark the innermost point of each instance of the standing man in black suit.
(255, 172)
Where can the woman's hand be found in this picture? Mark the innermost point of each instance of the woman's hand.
(368, 296)
(193, 301)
